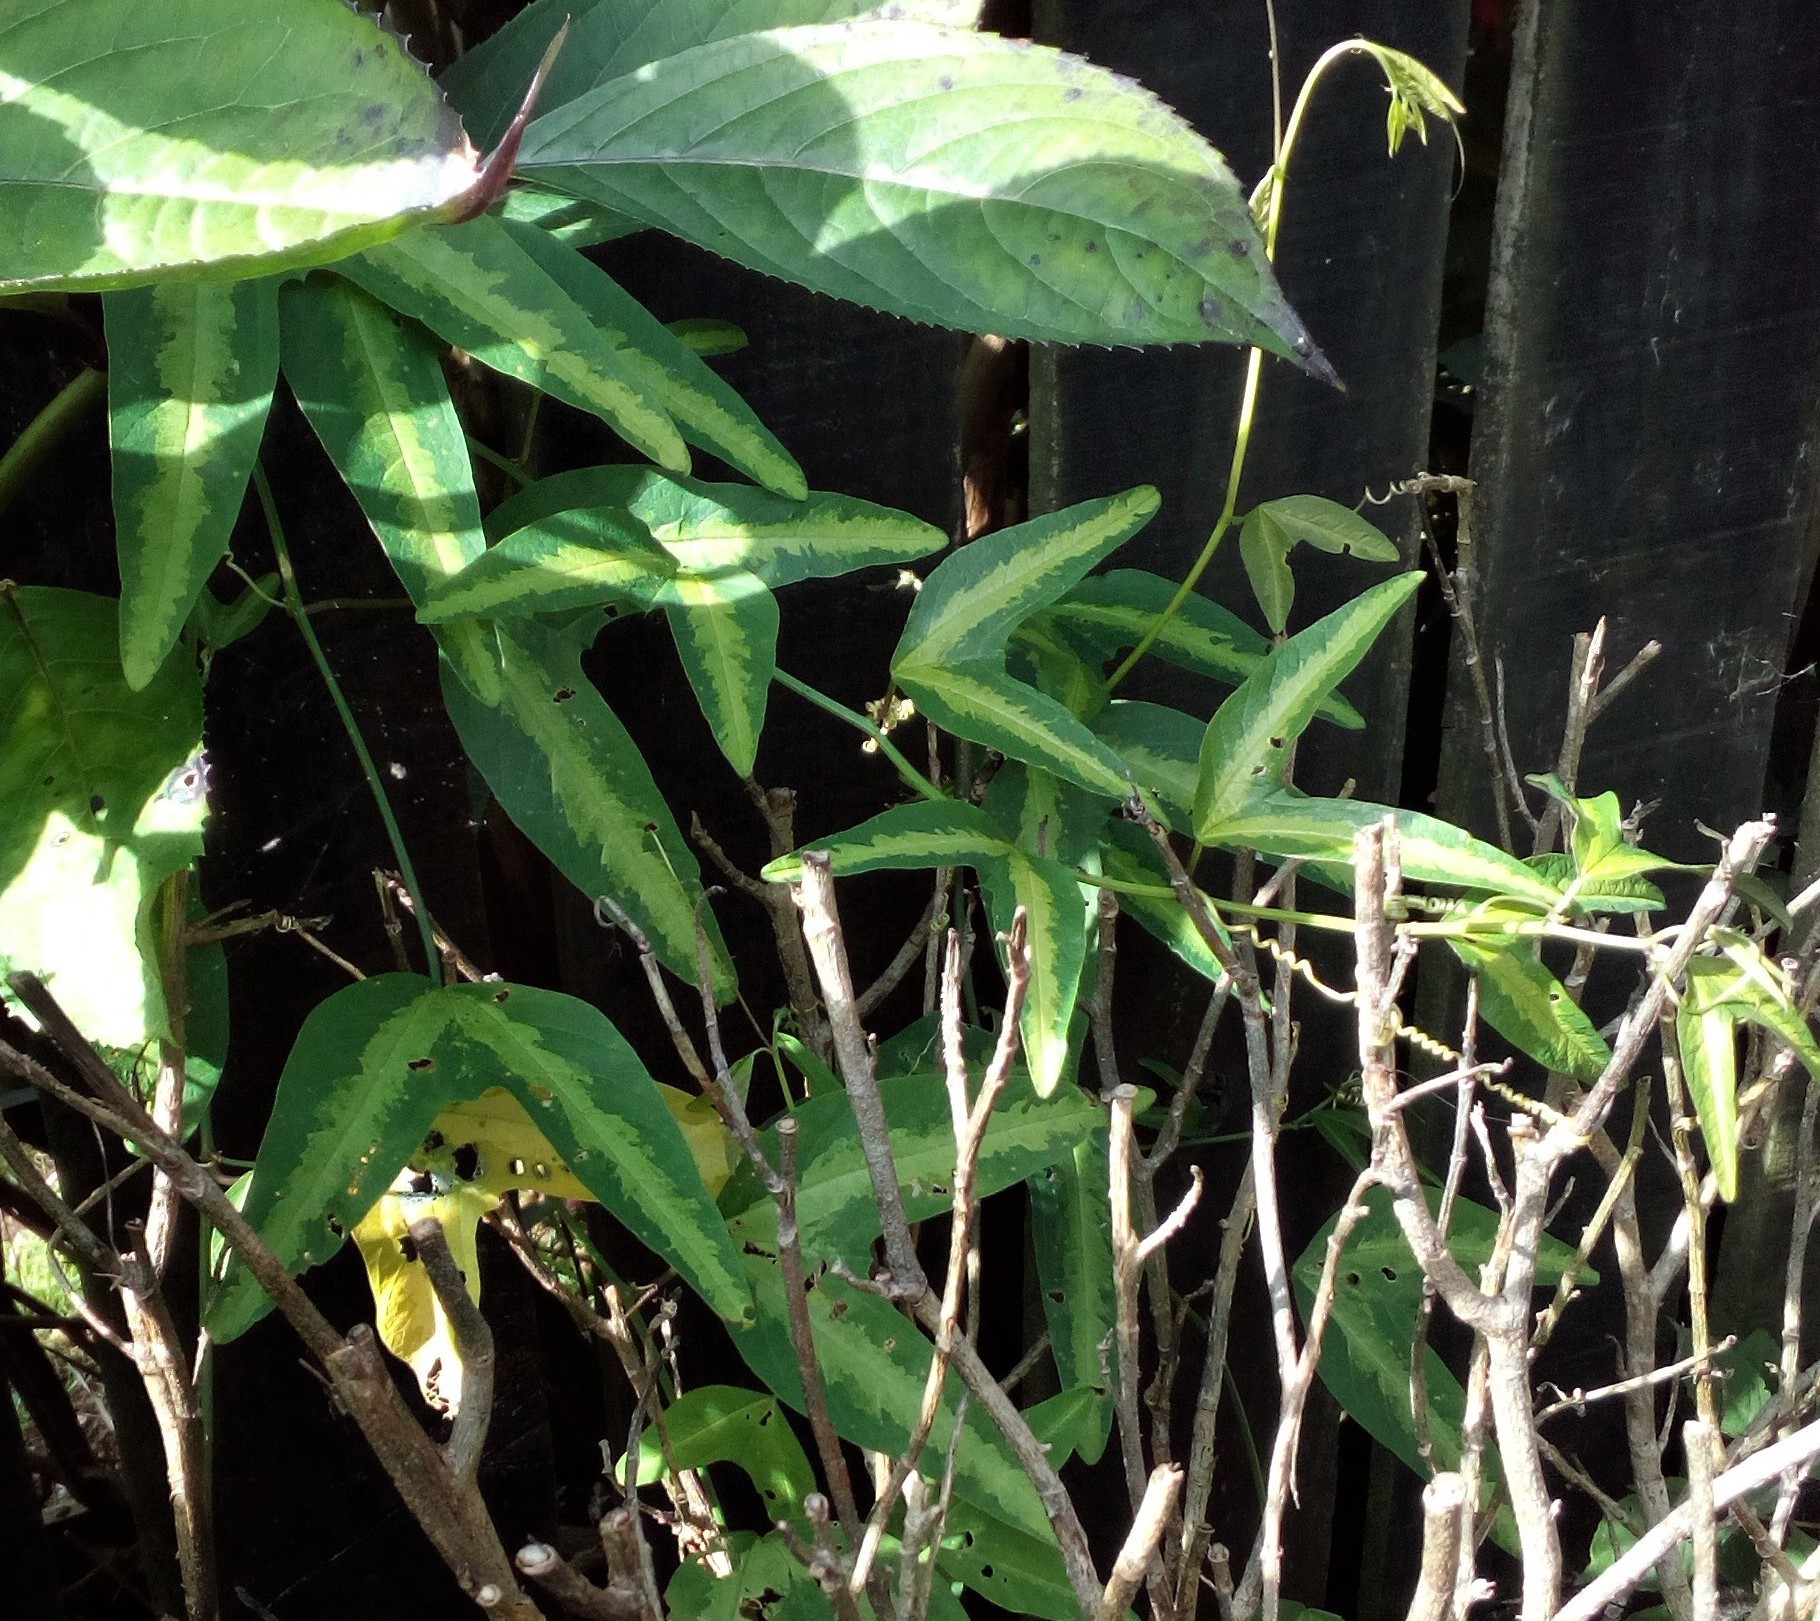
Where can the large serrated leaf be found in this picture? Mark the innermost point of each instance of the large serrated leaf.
(607, 38)
(726, 635)
(1433, 851)
(377, 398)
(953, 177)
(139, 138)
(1248, 739)
(1071, 1238)
(951, 658)
(566, 771)
(190, 372)
(707, 411)
(476, 287)
(100, 802)
(1531, 1009)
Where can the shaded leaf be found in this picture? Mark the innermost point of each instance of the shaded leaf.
(145, 137)
(1071, 1237)
(1273, 528)
(190, 372)
(1161, 748)
(1131, 858)
(953, 177)
(1060, 913)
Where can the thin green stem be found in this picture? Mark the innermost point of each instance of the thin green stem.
(862, 723)
(294, 606)
(46, 431)
(1269, 195)
(504, 463)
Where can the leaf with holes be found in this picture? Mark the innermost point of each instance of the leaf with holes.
(1272, 530)
(950, 176)
(1531, 1009)
(1247, 741)
(147, 138)
(100, 801)
(569, 775)
(951, 657)
(724, 1424)
(190, 372)
(375, 393)
(476, 287)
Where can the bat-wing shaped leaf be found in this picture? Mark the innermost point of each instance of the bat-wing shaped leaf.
(100, 802)
(1248, 739)
(951, 658)
(476, 287)
(568, 773)
(376, 396)
(953, 177)
(142, 138)
(190, 369)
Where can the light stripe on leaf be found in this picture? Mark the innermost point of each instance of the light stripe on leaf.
(1059, 918)
(377, 398)
(569, 775)
(190, 372)
(474, 286)
(924, 833)
(1531, 1009)
(950, 176)
(726, 635)
(1248, 739)
(1071, 1238)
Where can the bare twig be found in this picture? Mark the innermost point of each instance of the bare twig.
(1443, 1509)
(1147, 1528)
(473, 1345)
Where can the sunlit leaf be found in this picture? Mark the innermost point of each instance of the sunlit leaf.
(101, 799)
(938, 833)
(190, 372)
(954, 177)
(726, 636)
(1531, 1009)
(146, 137)
(1272, 530)
(724, 1424)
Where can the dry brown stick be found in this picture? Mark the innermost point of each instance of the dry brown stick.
(1698, 1440)
(452, 955)
(1582, 689)
(1443, 1509)
(970, 1119)
(473, 1345)
(629, 1570)
(572, 1590)
(821, 933)
(1139, 1552)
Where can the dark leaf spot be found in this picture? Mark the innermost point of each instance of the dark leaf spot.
(421, 1063)
(946, 81)
(1390, 1273)
(1093, 247)
(96, 804)
(1073, 93)
(407, 1249)
(564, 694)
(1240, 248)
(501, 996)
(467, 1162)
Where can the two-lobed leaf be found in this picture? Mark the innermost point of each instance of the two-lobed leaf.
(1272, 530)
(145, 138)
(190, 372)
(953, 177)
(1247, 742)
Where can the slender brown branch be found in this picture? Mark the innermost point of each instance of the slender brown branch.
(473, 1345)
(1139, 1552)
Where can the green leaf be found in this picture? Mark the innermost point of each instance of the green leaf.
(567, 219)
(1433, 851)
(614, 533)
(951, 658)
(1059, 913)
(580, 1080)
(924, 833)
(724, 1424)
(190, 372)
(1016, 1571)
(376, 396)
(566, 771)
(1043, 815)
(100, 802)
(1271, 531)
(221, 624)
(1071, 1235)
(709, 338)
(953, 177)
(1416, 92)
(1248, 739)
(607, 38)
(1161, 748)
(1130, 857)
(371, 1069)
(1621, 894)
(1531, 1009)
(1115, 610)
(476, 287)
(726, 635)
(836, 1211)
(709, 413)
(146, 137)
